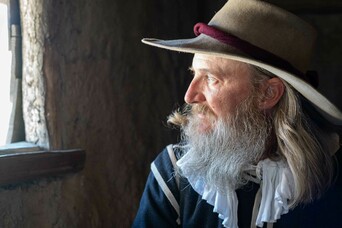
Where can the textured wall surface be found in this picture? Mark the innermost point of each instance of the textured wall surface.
(33, 82)
(89, 83)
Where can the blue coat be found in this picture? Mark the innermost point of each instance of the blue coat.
(156, 210)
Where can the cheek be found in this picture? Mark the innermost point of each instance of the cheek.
(227, 102)
(226, 105)
(222, 105)
(225, 98)
(216, 99)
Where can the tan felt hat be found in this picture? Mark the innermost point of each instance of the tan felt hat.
(261, 34)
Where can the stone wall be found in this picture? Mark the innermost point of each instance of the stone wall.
(89, 83)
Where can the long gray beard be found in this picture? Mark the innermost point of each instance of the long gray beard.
(222, 155)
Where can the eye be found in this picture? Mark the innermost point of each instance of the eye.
(211, 80)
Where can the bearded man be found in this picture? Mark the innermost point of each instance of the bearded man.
(259, 143)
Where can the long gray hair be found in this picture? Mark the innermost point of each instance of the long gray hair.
(297, 139)
(302, 144)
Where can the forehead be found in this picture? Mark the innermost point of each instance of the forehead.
(218, 64)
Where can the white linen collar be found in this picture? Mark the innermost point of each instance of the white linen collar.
(277, 187)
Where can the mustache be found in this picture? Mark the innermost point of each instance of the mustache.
(181, 116)
(200, 109)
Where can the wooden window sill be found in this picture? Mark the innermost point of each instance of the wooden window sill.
(22, 163)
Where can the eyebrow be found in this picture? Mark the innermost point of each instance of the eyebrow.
(192, 70)
(200, 69)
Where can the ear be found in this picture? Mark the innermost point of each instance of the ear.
(272, 91)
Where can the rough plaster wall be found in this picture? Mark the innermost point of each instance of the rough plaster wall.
(108, 94)
(33, 82)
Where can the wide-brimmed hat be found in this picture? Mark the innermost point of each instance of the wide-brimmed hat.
(261, 34)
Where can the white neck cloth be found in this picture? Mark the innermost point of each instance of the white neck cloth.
(277, 187)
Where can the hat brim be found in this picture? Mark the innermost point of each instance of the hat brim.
(206, 45)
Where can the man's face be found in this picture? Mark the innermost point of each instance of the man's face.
(226, 130)
(218, 87)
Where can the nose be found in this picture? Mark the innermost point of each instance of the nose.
(194, 94)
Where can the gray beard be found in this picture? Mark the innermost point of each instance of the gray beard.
(231, 147)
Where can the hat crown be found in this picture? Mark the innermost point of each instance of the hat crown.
(270, 28)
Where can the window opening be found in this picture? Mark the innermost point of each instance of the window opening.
(5, 75)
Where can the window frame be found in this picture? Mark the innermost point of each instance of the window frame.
(20, 160)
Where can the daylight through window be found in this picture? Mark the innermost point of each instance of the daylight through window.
(5, 72)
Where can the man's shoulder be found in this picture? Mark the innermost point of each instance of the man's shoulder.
(167, 158)
(164, 167)
(163, 159)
